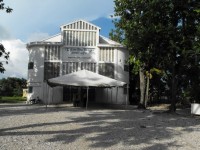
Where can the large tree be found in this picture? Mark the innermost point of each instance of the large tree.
(158, 35)
(3, 52)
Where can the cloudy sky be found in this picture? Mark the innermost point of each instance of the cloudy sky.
(33, 20)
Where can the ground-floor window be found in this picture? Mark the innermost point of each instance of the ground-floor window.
(51, 70)
(88, 66)
(107, 69)
(69, 67)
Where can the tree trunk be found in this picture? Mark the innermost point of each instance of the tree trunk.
(173, 92)
(142, 90)
(147, 91)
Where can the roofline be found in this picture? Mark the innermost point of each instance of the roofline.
(51, 37)
(117, 43)
(80, 20)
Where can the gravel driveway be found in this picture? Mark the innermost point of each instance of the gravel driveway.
(26, 127)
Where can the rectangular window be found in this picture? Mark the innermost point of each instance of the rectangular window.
(106, 69)
(106, 54)
(51, 70)
(30, 89)
(30, 65)
(69, 67)
(52, 53)
(88, 66)
(126, 68)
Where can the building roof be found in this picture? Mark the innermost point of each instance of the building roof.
(57, 39)
(106, 41)
(54, 38)
(69, 25)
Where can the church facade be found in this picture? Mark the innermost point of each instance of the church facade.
(78, 46)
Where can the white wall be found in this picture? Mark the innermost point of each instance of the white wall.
(51, 95)
(36, 55)
(36, 75)
(121, 56)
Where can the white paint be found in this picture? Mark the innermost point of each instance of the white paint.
(76, 53)
(195, 108)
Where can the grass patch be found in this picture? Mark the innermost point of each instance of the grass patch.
(5, 99)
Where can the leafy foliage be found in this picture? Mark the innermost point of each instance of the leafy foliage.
(2, 7)
(12, 86)
(161, 34)
(3, 53)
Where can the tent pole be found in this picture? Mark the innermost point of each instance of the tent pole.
(126, 95)
(111, 94)
(46, 94)
(70, 96)
(52, 96)
(87, 99)
(116, 94)
(107, 95)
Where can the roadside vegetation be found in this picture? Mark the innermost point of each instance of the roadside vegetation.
(7, 99)
(11, 90)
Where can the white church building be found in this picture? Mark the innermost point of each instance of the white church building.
(78, 46)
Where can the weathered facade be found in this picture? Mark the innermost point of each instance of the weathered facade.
(78, 46)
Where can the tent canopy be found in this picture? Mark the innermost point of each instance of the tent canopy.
(85, 78)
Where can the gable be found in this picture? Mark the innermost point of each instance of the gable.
(80, 25)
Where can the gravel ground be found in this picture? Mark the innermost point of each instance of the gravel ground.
(33, 127)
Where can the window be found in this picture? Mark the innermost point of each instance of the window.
(106, 54)
(69, 67)
(30, 65)
(51, 70)
(88, 66)
(79, 38)
(106, 69)
(126, 68)
(30, 89)
(52, 52)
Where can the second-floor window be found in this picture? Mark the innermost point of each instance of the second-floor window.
(51, 70)
(52, 52)
(30, 65)
(106, 54)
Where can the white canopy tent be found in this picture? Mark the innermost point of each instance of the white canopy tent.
(85, 78)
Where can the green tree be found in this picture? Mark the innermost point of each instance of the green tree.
(158, 35)
(12, 86)
(3, 52)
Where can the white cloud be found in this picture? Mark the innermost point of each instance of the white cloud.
(18, 60)
(5, 34)
(43, 16)
(36, 20)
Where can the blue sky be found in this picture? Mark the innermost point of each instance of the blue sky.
(37, 19)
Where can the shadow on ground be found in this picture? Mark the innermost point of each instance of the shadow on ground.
(104, 128)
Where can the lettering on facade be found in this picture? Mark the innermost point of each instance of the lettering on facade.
(78, 53)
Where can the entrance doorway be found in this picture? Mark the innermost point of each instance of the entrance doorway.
(69, 92)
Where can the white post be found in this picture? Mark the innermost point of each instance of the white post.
(87, 99)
